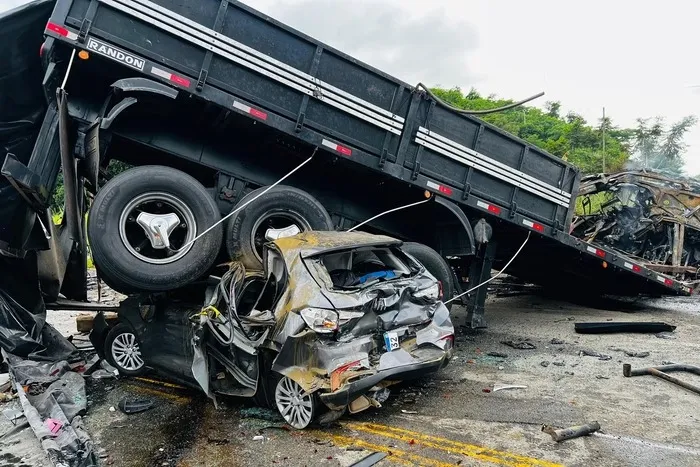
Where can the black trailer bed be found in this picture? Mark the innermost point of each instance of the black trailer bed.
(229, 54)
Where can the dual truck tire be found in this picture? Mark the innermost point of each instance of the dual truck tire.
(143, 224)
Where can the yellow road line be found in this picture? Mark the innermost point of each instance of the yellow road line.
(396, 455)
(155, 392)
(455, 447)
(160, 383)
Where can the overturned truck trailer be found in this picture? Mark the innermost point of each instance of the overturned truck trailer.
(211, 103)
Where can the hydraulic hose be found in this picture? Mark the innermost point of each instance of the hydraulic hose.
(444, 104)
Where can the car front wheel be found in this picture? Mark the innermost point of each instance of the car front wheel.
(123, 351)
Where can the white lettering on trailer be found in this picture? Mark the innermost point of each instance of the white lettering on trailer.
(115, 54)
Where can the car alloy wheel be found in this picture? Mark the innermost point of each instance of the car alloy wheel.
(295, 404)
(126, 353)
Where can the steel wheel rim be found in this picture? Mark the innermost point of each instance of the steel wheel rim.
(135, 239)
(126, 353)
(274, 219)
(293, 403)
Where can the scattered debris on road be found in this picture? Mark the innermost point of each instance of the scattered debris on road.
(370, 460)
(503, 387)
(661, 372)
(593, 353)
(522, 344)
(131, 406)
(497, 354)
(613, 327)
(563, 434)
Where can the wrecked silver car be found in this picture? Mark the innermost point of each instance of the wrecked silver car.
(331, 322)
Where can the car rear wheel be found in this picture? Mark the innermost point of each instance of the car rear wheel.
(141, 225)
(297, 407)
(281, 212)
(435, 264)
(123, 351)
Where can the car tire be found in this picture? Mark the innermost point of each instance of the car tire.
(296, 407)
(281, 206)
(121, 251)
(123, 351)
(435, 264)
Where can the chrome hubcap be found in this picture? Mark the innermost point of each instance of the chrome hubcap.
(126, 353)
(155, 226)
(276, 224)
(294, 404)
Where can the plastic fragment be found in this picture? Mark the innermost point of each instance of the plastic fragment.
(501, 387)
(53, 425)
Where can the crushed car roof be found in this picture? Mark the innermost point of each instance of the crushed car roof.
(308, 244)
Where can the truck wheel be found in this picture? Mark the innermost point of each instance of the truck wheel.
(281, 212)
(139, 221)
(435, 264)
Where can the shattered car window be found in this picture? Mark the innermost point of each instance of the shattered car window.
(362, 268)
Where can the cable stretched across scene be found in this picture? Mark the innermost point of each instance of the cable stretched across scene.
(492, 278)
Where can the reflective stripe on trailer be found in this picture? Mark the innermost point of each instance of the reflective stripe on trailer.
(664, 280)
(61, 31)
(633, 267)
(249, 110)
(596, 251)
(170, 77)
(337, 147)
(489, 207)
(533, 225)
(446, 190)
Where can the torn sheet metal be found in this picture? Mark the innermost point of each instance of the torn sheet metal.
(54, 405)
(646, 215)
(383, 324)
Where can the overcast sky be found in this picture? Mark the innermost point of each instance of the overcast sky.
(635, 58)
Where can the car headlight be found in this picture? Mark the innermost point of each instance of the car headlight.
(431, 293)
(319, 320)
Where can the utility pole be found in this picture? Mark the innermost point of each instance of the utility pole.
(603, 139)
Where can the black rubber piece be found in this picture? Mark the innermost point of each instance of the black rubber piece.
(435, 264)
(281, 198)
(613, 327)
(125, 272)
(113, 333)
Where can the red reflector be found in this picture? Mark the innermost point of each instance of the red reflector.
(668, 282)
(636, 268)
(445, 189)
(538, 227)
(57, 29)
(180, 80)
(258, 114)
(494, 209)
(343, 150)
(600, 253)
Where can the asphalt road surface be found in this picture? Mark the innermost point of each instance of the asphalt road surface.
(454, 417)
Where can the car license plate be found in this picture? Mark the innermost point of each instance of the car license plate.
(391, 341)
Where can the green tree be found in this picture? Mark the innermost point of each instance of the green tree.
(657, 148)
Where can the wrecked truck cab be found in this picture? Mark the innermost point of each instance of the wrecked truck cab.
(356, 314)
